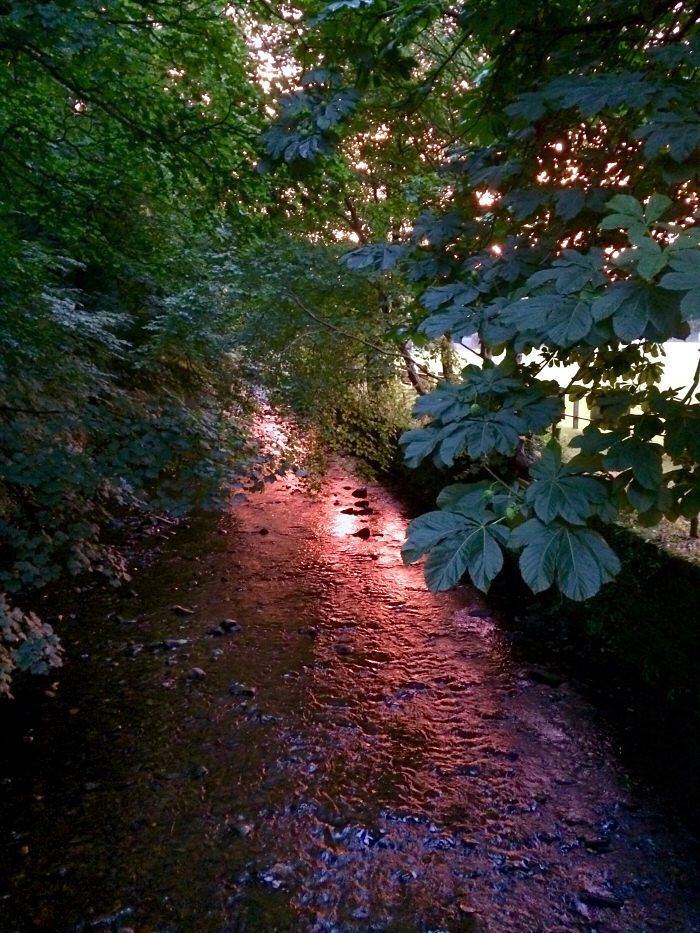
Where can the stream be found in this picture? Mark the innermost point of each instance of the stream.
(280, 729)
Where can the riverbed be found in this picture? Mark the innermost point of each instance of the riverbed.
(277, 728)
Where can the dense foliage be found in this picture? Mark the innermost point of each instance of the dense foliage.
(561, 219)
(124, 127)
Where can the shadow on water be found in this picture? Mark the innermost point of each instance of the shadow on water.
(353, 755)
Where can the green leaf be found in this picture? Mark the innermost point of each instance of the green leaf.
(560, 491)
(577, 559)
(572, 271)
(563, 321)
(463, 497)
(677, 132)
(457, 295)
(493, 432)
(445, 403)
(456, 323)
(476, 550)
(418, 444)
(642, 457)
(685, 277)
(570, 201)
(424, 532)
(657, 207)
(536, 411)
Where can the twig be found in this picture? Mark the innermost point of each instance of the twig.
(694, 385)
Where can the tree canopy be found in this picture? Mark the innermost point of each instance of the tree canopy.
(561, 219)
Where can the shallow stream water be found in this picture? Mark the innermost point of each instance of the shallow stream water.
(354, 755)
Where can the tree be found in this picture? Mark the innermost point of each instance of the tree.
(566, 224)
(128, 139)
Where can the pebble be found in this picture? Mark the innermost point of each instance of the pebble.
(196, 674)
(109, 921)
(172, 643)
(597, 897)
(230, 626)
(363, 533)
(343, 649)
(359, 493)
(241, 690)
(309, 630)
(200, 771)
(182, 610)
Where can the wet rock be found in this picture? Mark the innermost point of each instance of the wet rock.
(172, 643)
(440, 843)
(516, 863)
(230, 626)
(343, 649)
(363, 533)
(264, 531)
(469, 844)
(241, 828)
(265, 719)
(468, 770)
(309, 630)
(277, 876)
(349, 511)
(196, 674)
(109, 921)
(241, 690)
(360, 493)
(181, 610)
(366, 837)
(599, 897)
